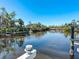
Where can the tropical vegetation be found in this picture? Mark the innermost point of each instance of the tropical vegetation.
(9, 24)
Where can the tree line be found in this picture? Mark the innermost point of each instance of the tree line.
(9, 24)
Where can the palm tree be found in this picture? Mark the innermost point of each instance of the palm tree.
(7, 18)
(21, 23)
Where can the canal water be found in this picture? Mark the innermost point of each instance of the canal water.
(55, 45)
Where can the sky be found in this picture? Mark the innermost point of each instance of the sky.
(47, 12)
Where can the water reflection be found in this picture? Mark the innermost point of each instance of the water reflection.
(37, 34)
(71, 52)
(53, 44)
(56, 45)
(9, 45)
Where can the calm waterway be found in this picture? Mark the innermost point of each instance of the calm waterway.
(52, 44)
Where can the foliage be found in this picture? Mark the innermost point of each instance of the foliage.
(8, 22)
(36, 26)
(20, 21)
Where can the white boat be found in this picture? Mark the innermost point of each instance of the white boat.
(30, 53)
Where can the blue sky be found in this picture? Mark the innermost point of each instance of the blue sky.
(48, 12)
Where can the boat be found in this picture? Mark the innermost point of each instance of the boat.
(30, 53)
